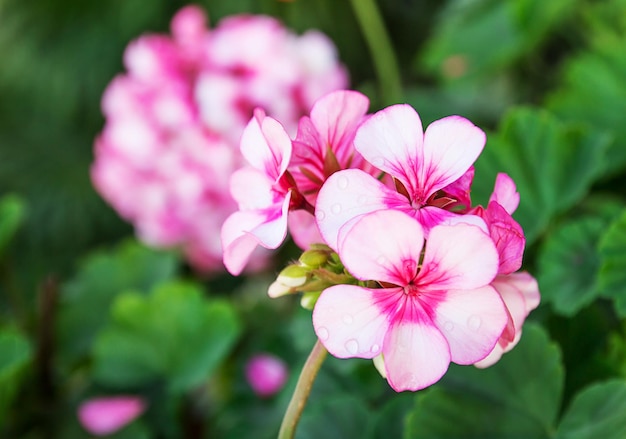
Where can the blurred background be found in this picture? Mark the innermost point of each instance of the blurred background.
(86, 310)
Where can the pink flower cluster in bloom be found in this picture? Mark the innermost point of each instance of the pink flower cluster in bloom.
(174, 120)
(106, 415)
(438, 279)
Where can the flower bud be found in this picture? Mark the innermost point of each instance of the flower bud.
(266, 374)
(314, 258)
(104, 416)
(309, 299)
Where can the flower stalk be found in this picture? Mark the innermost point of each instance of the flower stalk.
(302, 391)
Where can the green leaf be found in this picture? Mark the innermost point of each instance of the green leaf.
(85, 300)
(15, 354)
(553, 165)
(599, 411)
(518, 397)
(388, 421)
(334, 418)
(465, 29)
(12, 210)
(174, 334)
(612, 277)
(568, 265)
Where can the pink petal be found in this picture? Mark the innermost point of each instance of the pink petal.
(508, 237)
(348, 194)
(266, 145)
(505, 193)
(251, 188)
(460, 190)
(348, 321)
(471, 321)
(336, 117)
(104, 416)
(390, 256)
(451, 146)
(392, 140)
(416, 355)
(303, 229)
(457, 257)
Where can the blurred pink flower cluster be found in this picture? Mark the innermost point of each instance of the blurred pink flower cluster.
(174, 119)
(437, 276)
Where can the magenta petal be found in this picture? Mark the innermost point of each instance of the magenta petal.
(505, 193)
(104, 416)
(348, 194)
(392, 140)
(458, 257)
(416, 355)
(471, 321)
(508, 237)
(392, 256)
(266, 374)
(349, 322)
(451, 146)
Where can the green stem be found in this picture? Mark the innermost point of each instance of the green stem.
(381, 50)
(302, 391)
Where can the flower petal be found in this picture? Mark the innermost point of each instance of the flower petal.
(457, 257)
(385, 246)
(505, 193)
(507, 235)
(392, 140)
(303, 229)
(348, 194)
(266, 145)
(451, 146)
(416, 355)
(471, 321)
(251, 188)
(348, 321)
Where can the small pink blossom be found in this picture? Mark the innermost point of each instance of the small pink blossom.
(106, 415)
(266, 374)
(432, 307)
(423, 165)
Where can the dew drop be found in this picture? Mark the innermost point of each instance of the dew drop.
(409, 381)
(335, 208)
(342, 183)
(378, 161)
(352, 346)
(322, 333)
(320, 214)
(361, 200)
(348, 319)
(448, 326)
(380, 117)
(375, 348)
(474, 322)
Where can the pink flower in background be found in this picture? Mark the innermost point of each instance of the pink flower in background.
(106, 415)
(432, 307)
(173, 122)
(423, 164)
(266, 374)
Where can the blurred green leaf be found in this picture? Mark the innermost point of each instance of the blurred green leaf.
(508, 28)
(568, 265)
(388, 421)
(12, 210)
(15, 354)
(599, 411)
(174, 334)
(612, 277)
(86, 299)
(334, 418)
(519, 397)
(553, 165)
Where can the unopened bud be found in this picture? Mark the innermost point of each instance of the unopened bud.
(291, 277)
(309, 300)
(314, 258)
(266, 374)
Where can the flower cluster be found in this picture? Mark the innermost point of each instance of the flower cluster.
(173, 121)
(426, 278)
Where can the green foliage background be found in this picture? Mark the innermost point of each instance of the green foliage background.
(86, 311)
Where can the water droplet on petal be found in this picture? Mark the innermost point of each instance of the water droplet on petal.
(320, 215)
(448, 326)
(322, 333)
(378, 161)
(375, 348)
(409, 381)
(348, 319)
(361, 200)
(342, 182)
(335, 208)
(380, 117)
(352, 346)
(474, 322)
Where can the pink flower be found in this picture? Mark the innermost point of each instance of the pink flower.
(520, 294)
(432, 307)
(104, 416)
(266, 374)
(262, 190)
(173, 121)
(427, 168)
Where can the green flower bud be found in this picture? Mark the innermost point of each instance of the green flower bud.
(309, 299)
(314, 258)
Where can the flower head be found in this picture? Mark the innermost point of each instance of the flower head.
(433, 304)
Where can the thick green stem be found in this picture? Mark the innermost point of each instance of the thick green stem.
(381, 50)
(302, 391)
